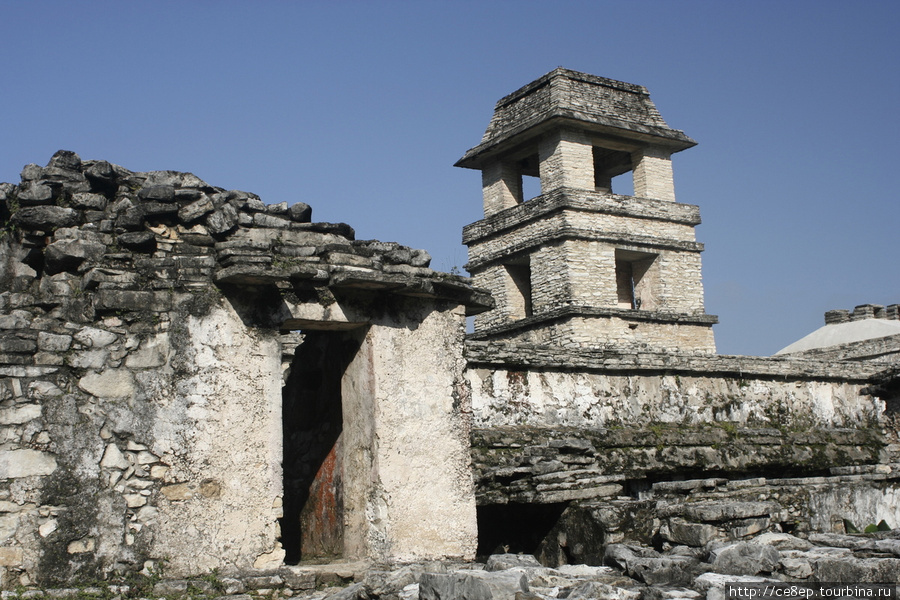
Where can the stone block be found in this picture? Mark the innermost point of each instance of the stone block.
(195, 210)
(82, 546)
(781, 541)
(139, 241)
(270, 221)
(88, 359)
(262, 582)
(300, 212)
(113, 458)
(132, 300)
(664, 570)
(501, 562)
(856, 570)
(597, 590)
(111, 383)
(157, 193)
(171, 587)
(744, 558)
(473, 585)
(45, 217)
(25, 463)
(695, 535)
(16, 344)
(22, 413)
(89, 201)
(48, 527)
(51, 342)
(297, 578)
(37, 193)
(11, 557)
(222, 220)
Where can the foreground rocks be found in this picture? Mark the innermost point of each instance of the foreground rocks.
(632, 572)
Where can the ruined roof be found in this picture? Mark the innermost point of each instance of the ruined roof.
(114, 231)
(597, 103)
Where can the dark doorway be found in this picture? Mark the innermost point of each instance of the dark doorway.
(312, 419)
(515, 528)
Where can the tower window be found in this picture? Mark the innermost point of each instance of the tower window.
(531, 179)
(634, 279)
(607, 165)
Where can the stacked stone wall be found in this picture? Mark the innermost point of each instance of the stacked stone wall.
(586, 327)
(566, 160)
(551, 283)
(554, 426)
(571, 246)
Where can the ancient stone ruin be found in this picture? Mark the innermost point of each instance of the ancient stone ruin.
(193, 381)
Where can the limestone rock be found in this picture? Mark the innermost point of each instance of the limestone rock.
(744, 558)
(222, 220)
(65, 159)
(157, 193)
(139, 241)
(113, 458)
(25, 463)
(38, 193)
(781, 541)
(472, 585)
(89, 201)
(195, 210)
(501, 562)
(691, 534)
(92, 337)
(45, 217)
(596, 590)
(300, 212)
(111, 383)
(67, 255)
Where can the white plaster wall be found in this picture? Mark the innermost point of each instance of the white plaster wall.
(862, 504)
(219, 428)
(503, 397)
(423, 499)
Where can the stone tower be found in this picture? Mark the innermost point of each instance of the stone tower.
(579, 265)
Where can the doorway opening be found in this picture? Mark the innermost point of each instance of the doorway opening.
(313, 407)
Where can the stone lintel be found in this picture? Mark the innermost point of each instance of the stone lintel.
(577, 233)
(567, 312)
(581, 200)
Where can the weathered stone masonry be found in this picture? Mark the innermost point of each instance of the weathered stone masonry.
(191, 376)
(579, 266)
(143, 322)
(595, 388)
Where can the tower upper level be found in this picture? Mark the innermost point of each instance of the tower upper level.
(579, 131)
(580, 265)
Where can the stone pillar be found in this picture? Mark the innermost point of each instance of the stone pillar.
(502, 187)
(653, 174)
(420, 497)
(566, 160)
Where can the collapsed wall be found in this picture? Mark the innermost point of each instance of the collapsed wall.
(144, 321)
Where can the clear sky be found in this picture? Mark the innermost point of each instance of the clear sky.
(360, 109)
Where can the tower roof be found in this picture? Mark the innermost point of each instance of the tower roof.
(594, 103)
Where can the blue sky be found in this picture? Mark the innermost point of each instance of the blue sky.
(360, 109)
